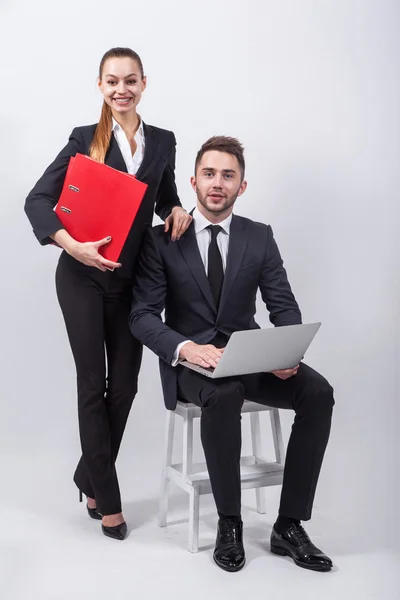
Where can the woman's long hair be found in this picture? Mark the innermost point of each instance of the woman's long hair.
(102, 136)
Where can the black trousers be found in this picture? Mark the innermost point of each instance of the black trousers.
(96, 307)
(307, 393)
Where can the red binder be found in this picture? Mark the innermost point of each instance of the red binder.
(97, 201)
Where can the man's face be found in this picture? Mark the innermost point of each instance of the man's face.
(218, 183)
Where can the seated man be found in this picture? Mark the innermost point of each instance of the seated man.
(207, 283)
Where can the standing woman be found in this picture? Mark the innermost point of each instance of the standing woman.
(94, 300)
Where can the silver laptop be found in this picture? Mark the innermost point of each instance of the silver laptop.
(261, 350)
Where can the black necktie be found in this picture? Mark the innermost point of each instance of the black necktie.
(215, 267)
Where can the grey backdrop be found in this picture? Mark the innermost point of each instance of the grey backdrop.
(311, 89)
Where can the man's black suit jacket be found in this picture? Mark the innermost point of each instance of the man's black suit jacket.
(171, 276)
(157, 170)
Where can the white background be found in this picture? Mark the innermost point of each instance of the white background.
(311, 88)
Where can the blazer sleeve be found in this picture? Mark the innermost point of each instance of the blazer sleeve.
(42, 199)
(275, 288)
(148, 302)
(167, 194)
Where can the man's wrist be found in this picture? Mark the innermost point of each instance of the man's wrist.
(186, 346)
(177, 357)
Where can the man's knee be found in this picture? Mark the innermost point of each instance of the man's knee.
(229, 396)
(320, 394)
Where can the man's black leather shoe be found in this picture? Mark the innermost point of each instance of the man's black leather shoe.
(294, 542)
(229, 552)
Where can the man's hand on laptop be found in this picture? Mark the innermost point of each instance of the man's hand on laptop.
(203, 355)
(286, 373)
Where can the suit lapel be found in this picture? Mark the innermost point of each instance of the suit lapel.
(151, 144)
(237, 247)
(115, 159)
(190, 252)
(114, 156)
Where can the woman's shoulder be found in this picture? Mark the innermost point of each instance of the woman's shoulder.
(86, 131)
(165, 134)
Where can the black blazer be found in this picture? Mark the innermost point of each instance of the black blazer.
(171, 275)
(157, 170)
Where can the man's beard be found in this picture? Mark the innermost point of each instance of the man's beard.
(216, 210)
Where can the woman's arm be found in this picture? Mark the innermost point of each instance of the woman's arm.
(42, 199)
(167, 195)
(168, 206)
(40, 203)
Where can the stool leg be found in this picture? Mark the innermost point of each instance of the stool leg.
(256, 444)
(194, 504)
(187, 445)
(169, 442)
(277, 436)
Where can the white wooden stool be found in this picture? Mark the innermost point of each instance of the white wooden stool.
(256, 472)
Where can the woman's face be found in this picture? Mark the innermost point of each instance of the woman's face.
(121, 84)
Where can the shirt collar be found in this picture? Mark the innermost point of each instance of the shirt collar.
(117, 127)
(200, 222)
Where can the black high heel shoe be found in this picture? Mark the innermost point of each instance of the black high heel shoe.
(92, 512)
(118, 532)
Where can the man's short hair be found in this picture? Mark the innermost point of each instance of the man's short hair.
(222, 143)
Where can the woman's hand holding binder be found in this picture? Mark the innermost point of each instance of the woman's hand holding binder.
(88, 254)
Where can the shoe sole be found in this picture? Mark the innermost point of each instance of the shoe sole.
(281, 552)
(230, 569)
(113, 536)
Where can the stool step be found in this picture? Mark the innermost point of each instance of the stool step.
(251, 475)
(199, 470)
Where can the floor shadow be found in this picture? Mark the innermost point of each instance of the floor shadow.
(145, 510)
